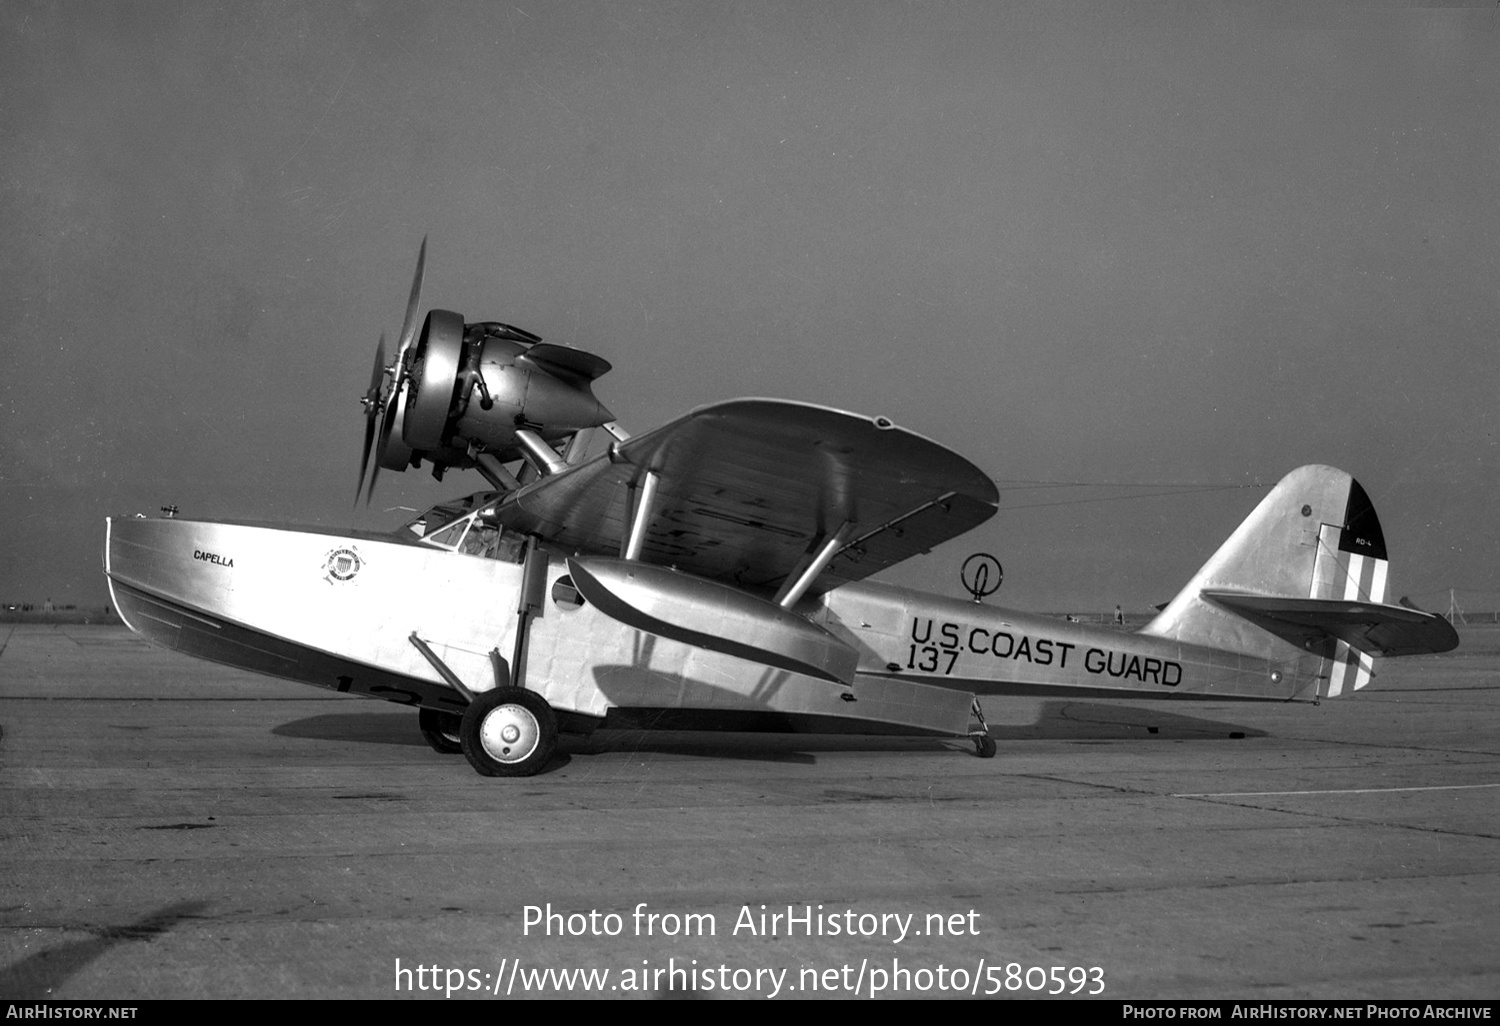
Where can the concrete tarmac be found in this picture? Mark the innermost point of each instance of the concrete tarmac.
(174, 829)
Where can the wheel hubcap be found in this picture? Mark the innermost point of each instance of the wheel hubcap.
(509, 733)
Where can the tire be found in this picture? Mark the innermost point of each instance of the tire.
(441, 729)
(984, 746)
(508, 732)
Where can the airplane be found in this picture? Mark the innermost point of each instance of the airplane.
(713, 573)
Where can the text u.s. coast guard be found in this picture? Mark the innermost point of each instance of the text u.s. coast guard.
(936, 646)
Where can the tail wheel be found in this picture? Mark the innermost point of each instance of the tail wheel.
(984, 745)
(508, 732)
(441, 729)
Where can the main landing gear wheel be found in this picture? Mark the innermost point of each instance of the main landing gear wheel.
(508, 732)
(441, 729)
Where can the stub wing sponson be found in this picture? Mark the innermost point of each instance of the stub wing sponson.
(747, 490)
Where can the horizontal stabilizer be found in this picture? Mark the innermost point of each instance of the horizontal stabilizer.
(1373, 628)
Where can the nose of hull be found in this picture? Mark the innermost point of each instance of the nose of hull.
(294, 604)
(154, 566)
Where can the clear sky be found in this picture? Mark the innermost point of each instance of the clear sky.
(1122, 244)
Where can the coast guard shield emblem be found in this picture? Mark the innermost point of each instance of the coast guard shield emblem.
(341, 565)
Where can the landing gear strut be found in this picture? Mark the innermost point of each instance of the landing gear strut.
(984, 745)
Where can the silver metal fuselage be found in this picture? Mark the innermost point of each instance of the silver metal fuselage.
(988, 650)
(338, 610)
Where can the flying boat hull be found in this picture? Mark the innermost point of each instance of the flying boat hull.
(341, 611)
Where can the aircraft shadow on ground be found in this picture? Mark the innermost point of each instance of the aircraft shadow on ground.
(384, 729)
(374, 728)
(38, 976)
(1058, 720)
(1064, 720)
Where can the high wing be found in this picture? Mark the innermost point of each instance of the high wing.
(747, 491)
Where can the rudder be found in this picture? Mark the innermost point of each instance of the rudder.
(1352, 564)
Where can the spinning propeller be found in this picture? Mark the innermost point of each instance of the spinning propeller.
(372, 402)
(457, 392)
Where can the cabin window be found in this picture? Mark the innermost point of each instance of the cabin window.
(475, 533)
(565, 593)
(449, 537)
(480, 541)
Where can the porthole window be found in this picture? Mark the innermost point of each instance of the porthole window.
(564, 595)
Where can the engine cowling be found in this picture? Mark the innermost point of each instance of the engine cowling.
(436, 361)
(479, 383)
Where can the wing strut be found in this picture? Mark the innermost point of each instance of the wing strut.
(493, 470)
(636, 538)
(543, 456)
(533, 593)
(796, 585)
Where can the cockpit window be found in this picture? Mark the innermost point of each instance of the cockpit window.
(480, 540)
(469, 526)
(449, 537)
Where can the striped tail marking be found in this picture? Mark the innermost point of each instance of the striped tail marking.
(1343, 571)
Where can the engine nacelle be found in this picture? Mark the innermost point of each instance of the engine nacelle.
(479, 383)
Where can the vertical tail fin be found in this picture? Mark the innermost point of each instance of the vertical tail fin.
(1305, 573)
